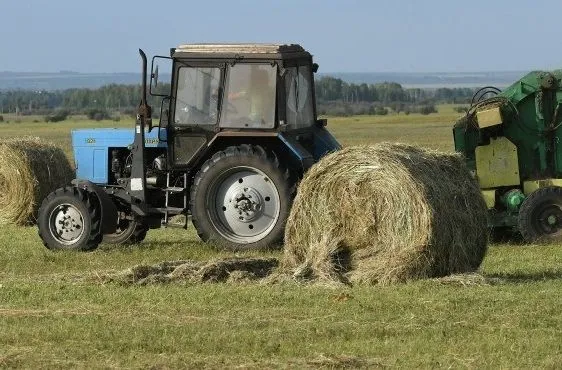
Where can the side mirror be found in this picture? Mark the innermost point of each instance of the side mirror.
(323, 122)
(154, 76)
(157, 88)
(315, 67)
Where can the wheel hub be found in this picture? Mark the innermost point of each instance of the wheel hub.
(549, 219)
(67, 224)
(248, 203)
(244, 204)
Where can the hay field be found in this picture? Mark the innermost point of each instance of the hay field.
(56, 310)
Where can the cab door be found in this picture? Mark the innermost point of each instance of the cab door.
(195, 111)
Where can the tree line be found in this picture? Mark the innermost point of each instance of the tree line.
(334, 96)
(335, 89)
(337, 97)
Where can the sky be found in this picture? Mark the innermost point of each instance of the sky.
(344, 36)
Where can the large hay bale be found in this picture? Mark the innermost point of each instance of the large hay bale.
(386, 213)
(30, 169)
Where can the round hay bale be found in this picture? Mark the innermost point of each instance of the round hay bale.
(386, 213)
(30, 169)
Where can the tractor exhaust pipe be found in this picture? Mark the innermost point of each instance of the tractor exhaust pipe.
(145, 111)
(136, 184)
(144, 75)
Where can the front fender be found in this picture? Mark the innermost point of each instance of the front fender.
(108, 209)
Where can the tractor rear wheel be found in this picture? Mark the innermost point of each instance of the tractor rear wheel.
(69, 218)
(240, 199)
(128, 232)
(540, 216)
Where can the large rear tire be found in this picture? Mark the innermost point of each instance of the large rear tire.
(240, 199)
(69, 219)
(540, 215)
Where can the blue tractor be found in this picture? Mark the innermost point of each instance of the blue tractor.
(238, 129)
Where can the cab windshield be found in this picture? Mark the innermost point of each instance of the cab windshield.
(249, 97)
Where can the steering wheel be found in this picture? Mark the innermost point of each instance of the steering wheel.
(190, 114)
(229, 107)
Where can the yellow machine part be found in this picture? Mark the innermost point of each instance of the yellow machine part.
(489, 117)
(497, 164)
(490, 198)
(531, 186)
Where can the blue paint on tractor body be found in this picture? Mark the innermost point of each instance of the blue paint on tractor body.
(92, 149)
(324, 143)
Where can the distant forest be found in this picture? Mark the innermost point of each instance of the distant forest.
(337, 97)
(334, 97)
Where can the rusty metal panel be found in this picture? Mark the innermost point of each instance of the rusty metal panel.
(497, 164)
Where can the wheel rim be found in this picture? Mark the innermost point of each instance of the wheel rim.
(549, 220)
(66, 224)
(243, 204)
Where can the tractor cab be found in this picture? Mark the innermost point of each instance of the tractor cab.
(239, 90)
(237, 130)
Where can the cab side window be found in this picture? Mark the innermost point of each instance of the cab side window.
(298, 86)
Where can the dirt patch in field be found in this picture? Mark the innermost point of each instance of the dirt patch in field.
(215, 271)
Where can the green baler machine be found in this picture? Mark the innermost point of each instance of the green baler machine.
(512, 143)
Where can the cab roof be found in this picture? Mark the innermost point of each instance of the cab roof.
(247, 50)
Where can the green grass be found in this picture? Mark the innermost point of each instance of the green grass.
(433, 131)
(52, 318)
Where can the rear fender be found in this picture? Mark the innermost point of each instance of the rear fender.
(108, 209)
(299, 152)
(283, 145)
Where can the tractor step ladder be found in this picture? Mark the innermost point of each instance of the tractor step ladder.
(167, 210)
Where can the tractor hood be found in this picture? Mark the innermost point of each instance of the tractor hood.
(92, 148)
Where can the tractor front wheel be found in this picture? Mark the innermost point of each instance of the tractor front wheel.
(240, 199)
(540, 216)
(69, 218)
(128, 231)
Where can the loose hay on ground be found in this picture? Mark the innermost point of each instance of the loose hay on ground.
(30, 169)
(386, 213)
(220, 270)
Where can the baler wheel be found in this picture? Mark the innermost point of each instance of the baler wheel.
(240, 199)
(540, 215)
(69, 219)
